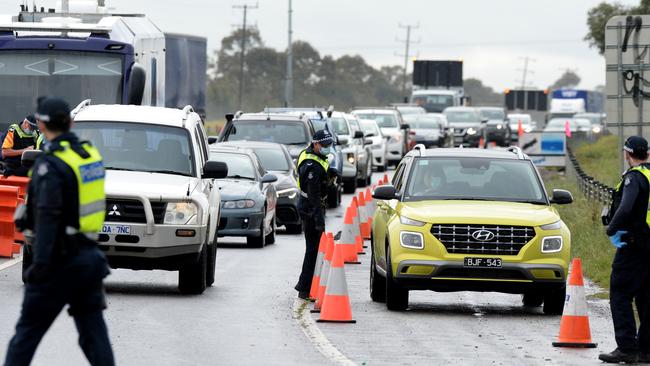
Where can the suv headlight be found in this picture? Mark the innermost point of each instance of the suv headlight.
(406, 221)
(239, 204)
(180, 213)
(289, 192)
(499, 126)
(471, 131)
(397, 137)
(411, 240)
(552, 244)
(554, 226)
(596, 129)
(351, 158)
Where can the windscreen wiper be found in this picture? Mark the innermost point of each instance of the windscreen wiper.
(115, 168)
(169, 172)
(239, 177)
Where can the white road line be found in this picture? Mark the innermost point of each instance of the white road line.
(10, 263)
(316, 337)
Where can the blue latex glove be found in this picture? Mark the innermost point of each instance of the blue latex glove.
(616, 239)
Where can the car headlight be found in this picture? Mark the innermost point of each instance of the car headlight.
(180, 213)
(239, 204)
(596, 129)
(407, 221)
(554, 226)
(499, 127)
(395, 138)
(471, 131)
(411, 240)
(351, 158)
(552, 244)
(289, 193)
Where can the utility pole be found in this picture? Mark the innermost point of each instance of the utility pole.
(525, 71)
(243, 51)
(288, 91)
(407, 55)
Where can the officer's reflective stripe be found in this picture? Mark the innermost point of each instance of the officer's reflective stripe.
(336, 284)
(574, 304)
(646, 173)
(90, 182)
(93, 207)
(39, 141)
(21, 133)
(304, 155)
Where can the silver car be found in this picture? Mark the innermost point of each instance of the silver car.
(373, 133)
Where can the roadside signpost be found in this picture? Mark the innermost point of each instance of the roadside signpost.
(546, 149)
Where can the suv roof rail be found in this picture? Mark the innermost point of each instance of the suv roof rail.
(80, 107)
(187, 110)
(238, 114)
(419, 148)
(517, 150)
(375, 107)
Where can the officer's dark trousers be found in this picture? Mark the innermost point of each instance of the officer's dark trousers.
(630, 279)
(312, 239)
(77, 283)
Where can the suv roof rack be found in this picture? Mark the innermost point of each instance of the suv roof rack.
(80, 107)
(238, 114)
(187, 110)
(55, 28)
(419, 148)
(517, 151)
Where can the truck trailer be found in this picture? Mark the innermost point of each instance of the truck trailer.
(90, 54)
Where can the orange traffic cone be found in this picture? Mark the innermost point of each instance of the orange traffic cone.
(347, 240)
(385, 181)
(520, 129)
(363, 216)
(315, 282)
(325, 270)
(481, 143)
(574, 326)
(336, 304)
(357, 225)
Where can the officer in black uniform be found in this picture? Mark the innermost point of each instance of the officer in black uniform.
(313, 177)
(628, 230)
(65, 210)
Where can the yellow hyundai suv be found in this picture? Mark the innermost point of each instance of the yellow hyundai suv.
(469, 220)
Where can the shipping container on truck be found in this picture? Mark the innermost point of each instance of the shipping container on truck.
(568, 102)
(88, 53)
(186, 60)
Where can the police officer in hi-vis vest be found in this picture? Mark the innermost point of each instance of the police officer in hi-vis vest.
(19, 138)
(628, 230)
(65, 211)
(313, 171)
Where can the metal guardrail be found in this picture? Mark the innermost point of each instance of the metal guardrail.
(589, 186)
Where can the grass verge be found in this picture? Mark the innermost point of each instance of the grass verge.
(588, 238)
(600, 159)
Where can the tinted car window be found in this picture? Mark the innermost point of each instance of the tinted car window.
(272, 159)
(493, 114)
(462, 116)
(240, 166)
(422, 121)
(474, 179)
(340, 126)
(281, 132)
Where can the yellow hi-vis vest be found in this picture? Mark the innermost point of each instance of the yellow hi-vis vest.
(646, 173)
(90, 181)
(304, 155)
(39, 141)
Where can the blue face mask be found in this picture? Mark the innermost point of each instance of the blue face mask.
(325, 150)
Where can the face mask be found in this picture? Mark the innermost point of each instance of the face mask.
(26, 130)
(325, 150)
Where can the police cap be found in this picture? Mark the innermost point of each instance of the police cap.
(323, 137)
(53, 110)
(636, 145)
(31, 120)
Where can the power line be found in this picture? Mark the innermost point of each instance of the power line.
(406, 55)
(456, 44)
(245, 8)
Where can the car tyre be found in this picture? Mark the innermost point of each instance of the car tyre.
(377, 281)
(350, 186)
(397, 298)
(270, 239)
(257, 241)
(382, 168)
(212, 263)
(532, 300)
(28, 259)
(192, 277)
(554, 302)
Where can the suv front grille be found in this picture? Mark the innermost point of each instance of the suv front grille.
(483, 239)
(120, 210)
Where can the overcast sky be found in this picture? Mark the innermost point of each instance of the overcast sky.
(492, 37)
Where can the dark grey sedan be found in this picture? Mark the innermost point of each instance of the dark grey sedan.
(248, 199)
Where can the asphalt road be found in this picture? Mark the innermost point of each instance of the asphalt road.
(250, 317)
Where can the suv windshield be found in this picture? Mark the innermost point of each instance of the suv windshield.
(383, 120)
(281, 132)
(140, 147)
(240, 166)
(340, 126)
(422, 121)
(433, 102)
(370, 127)
(493, 114)
(462, 117)
(474, 179)
(272, 158)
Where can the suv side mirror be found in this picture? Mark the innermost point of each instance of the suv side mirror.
(385, 192)
(215, 170)
(405, 126)
(136, 84)
(484, 120)
(367, 141)
(343, 140)
(358, 135)
(561, 197)
(370, 134)
(269, 178)
(212, 139)
(29, 157)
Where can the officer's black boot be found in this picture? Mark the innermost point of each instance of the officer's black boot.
(644, 358)
(618, 356)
